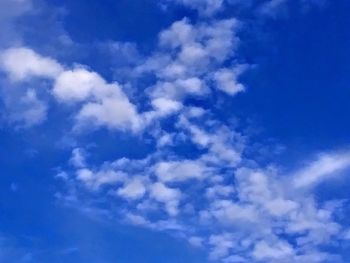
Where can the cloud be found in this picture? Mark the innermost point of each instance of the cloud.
(77, 85)
(104, 104)
(114, 113)
(250, 214)
(34, 111)
(186, 60)
(24, 109)
(280, 250)
(23, 63)
(134, 189)
(324, 167)
(164, 106)
(180, 170)
(169, 196)
(226, 80)
(95, 180)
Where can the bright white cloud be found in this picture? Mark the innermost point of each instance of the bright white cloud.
(77, 85)
(114, 113)
(134, 189)
(165, 106)
(104, 104)
(226, 80)
(23, 63)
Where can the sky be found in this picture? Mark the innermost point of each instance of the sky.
(174, 131)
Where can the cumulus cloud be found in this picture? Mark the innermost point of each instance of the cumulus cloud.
(77, 85)
(180, 170)
(23, 63)
(104, 104)
(115, 113)
(134, 189)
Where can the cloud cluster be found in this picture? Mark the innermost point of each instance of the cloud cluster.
(242, 213)
(189, 62)
(101, 103)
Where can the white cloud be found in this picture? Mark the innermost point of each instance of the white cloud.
(77, 85)
(226, 80)
(95, 180)
(222, 244)
(169, 196)
(134, 189)
(187, 58)
(165, 106)
(104, 104)
(114, 113)
(325, 167)
(223, 146)
(23, 63)
(173, 171)
(279, 250)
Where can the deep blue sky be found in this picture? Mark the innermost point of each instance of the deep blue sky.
(295, 99)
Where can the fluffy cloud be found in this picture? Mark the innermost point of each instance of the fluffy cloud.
(134, 189)
(226, 80)
(77, 85)
(23, 63)
(180, 170)
(104, 104)
(169, 196)
(115, 113)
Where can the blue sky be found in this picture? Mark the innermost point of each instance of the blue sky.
(176, 131)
